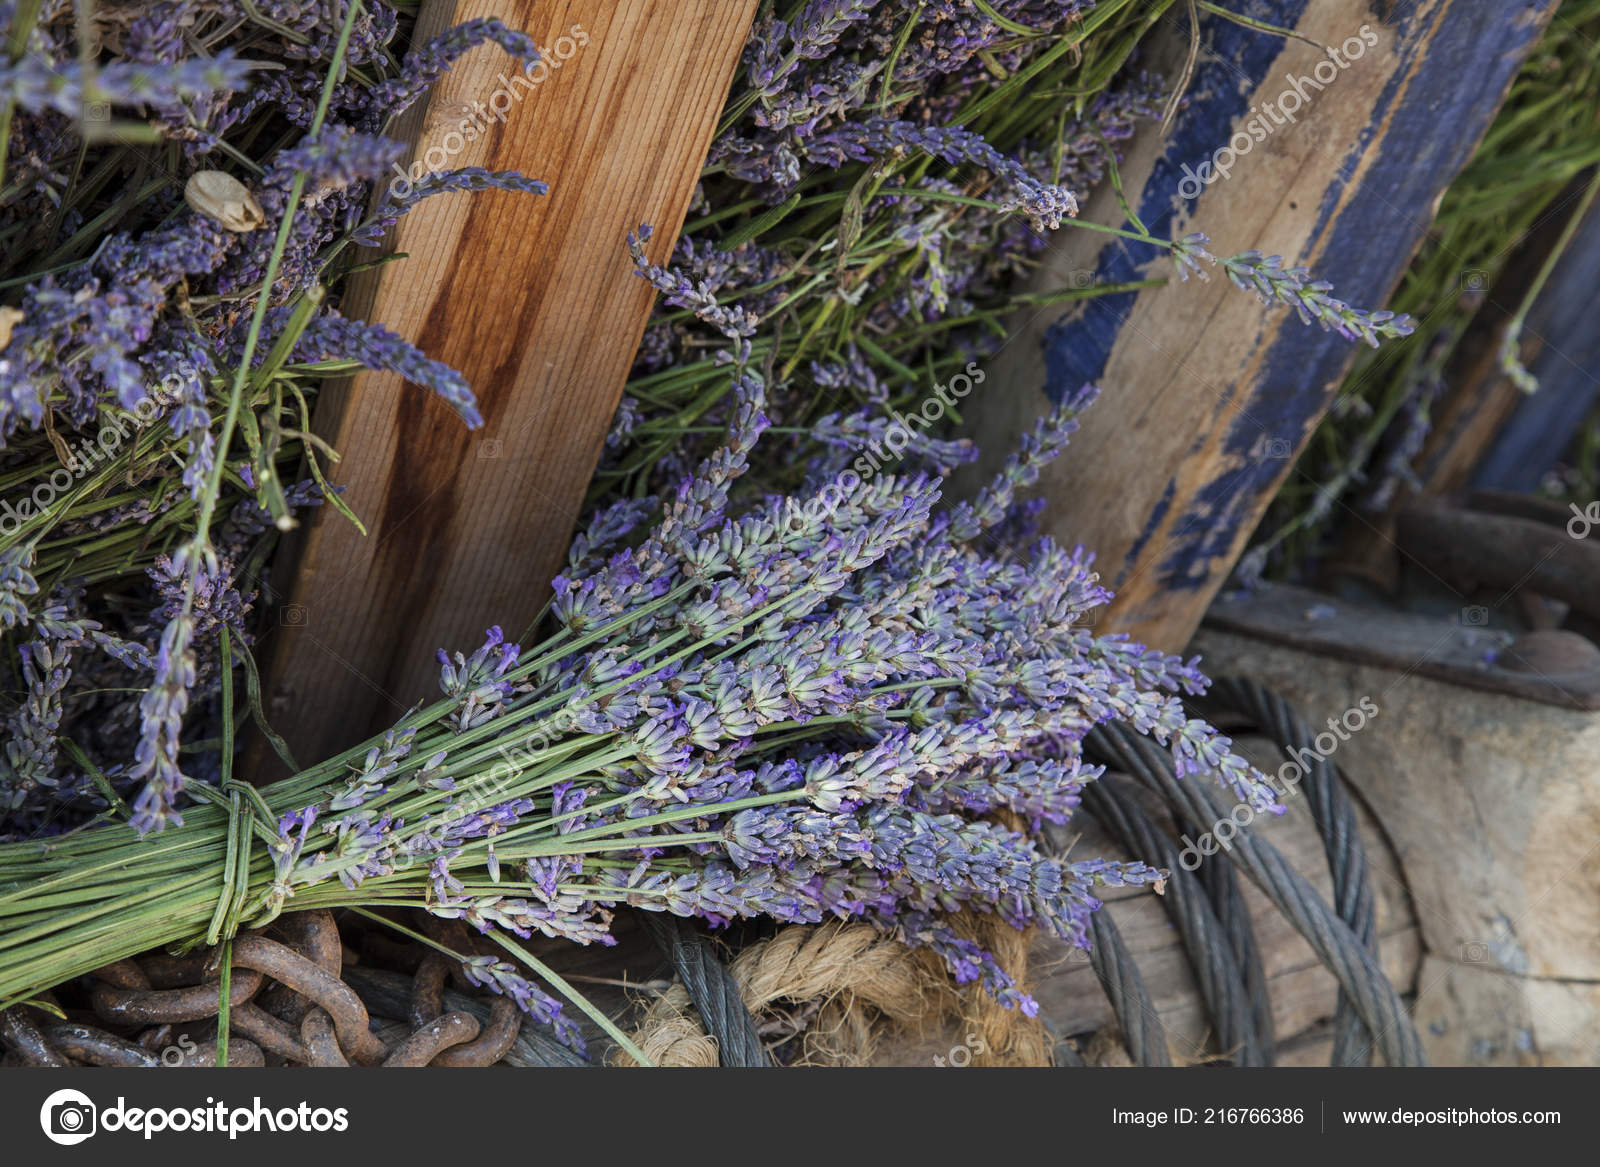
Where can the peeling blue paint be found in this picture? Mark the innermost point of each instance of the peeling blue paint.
(1449, 96)
(1074, 352)
(1151, 526)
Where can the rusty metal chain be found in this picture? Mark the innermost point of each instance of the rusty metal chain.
(287, 1003)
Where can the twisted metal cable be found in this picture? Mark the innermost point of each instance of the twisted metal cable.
(1212, 953)
(1336, 823)
(1339, 948)
(711, 987)
(1221, 883)
(1142, 1031)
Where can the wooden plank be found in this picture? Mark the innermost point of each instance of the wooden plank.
(1486, 431)
(1206, 394)
(1561, 347)
(533, 299)
(1384, 637)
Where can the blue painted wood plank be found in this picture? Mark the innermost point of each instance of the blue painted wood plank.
(1445, 66)
(1561, 349)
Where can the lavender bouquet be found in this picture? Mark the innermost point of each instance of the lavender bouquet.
(804, 698)
(183, 186)
(801, 707)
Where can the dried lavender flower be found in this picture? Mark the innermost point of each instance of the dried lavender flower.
(1272, 283)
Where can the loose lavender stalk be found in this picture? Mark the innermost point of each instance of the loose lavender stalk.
(1250, 271)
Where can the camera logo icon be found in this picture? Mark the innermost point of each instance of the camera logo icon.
(292, 615)
(1275, 449)
(68, 1117)
(1475, 616)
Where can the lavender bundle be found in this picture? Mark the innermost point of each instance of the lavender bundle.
(799, 698)
(802, 707)
(183, 186)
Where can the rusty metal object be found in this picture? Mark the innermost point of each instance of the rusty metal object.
(427, 991)
(165, 971)
(1462, 654)
(432, 1039)
(123, 974)
(320, 1038)
(314, 936)
(22, 1035)
(155, 1006)
(242, 1055)
(1512, 551)
(492, 1044)
(1550, 652)
(273, 1035)
(316, 1020)
(456, 936)
(388, 994)
(320, 937)
(96, 1047)
(318, 984)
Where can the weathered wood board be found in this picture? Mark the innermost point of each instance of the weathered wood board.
(1207, 395)
(1561, 347)
(1486, 432)
(533, 299)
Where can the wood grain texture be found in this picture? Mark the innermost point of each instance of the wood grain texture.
(1207, 394)
(534, 300)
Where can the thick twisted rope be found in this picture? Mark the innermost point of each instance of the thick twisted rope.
(851, 972)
